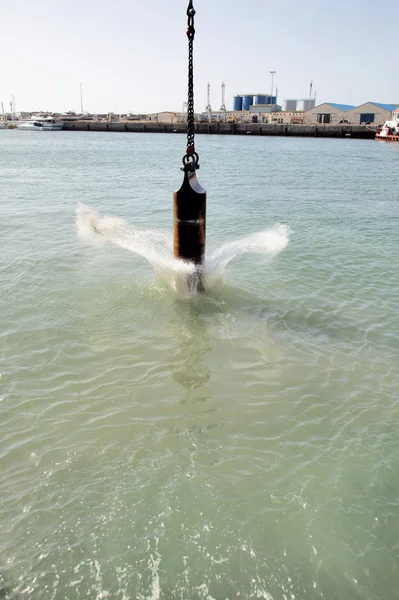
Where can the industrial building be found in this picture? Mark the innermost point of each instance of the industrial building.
(370, 113)
(286, 117)
(260, 113)
(255, 108)
(261, 109)
(264, 108)
(163, 117)
(327, 113)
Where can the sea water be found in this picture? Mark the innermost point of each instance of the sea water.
(158, 444)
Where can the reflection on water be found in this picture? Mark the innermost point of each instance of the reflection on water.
(188, 366)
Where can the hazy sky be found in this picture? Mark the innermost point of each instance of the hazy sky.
(131, 55)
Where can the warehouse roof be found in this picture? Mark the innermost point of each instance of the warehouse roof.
(343, 107)
(390, 107)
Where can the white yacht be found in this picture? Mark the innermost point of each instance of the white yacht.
(39, 123)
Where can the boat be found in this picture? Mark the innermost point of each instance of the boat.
(38, 123)
(390, 130)
(5, 124)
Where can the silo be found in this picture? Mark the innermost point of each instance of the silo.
(237, 103)
(290, 105)
(247, 101)
(306, 104)
(260, 99)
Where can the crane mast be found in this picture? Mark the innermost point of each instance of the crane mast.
(184, 112)
(208, 106)
(223, 107)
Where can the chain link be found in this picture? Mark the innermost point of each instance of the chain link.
(190, 160)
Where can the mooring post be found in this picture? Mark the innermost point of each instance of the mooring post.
(190, 200)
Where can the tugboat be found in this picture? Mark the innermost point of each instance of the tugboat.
(390, 130)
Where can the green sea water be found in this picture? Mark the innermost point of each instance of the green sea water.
(161, 445)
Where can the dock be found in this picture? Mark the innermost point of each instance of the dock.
(256, 129)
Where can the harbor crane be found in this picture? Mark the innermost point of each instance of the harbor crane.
(184, 112)
(223, 107)
(208, 106)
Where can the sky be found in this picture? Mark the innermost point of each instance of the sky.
(131, 55)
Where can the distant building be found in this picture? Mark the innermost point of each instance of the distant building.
(286, 117)
(164, 117)
(217, 116)
(328, 113)
(232, 116)
(134, 117)
(241, 116)
(264, 108)
(370, 113)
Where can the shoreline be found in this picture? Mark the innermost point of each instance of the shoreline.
(257, 129)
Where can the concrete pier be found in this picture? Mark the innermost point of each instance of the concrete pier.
(321, 131)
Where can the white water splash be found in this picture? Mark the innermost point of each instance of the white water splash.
(270, 241)
(155, 245)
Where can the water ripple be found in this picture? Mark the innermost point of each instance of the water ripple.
(241, 443)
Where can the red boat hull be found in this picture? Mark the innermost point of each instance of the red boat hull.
(388, 138)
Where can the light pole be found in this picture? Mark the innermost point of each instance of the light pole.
(81, 99)
(272, 73)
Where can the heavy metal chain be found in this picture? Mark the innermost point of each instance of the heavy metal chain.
(190, 160)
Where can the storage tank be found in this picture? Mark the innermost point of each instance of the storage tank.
(270, 99)
(260, 99)
(237, 103)
(306, 104)
(247, 101)
(290, 105)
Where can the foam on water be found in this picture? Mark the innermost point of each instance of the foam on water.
(155, 246)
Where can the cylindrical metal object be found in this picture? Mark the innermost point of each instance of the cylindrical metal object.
(189, 226)
(291, 105)
(237, 103)
(260, 99)
(247, 101)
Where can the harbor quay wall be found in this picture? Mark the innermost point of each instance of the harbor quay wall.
(322, 131)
